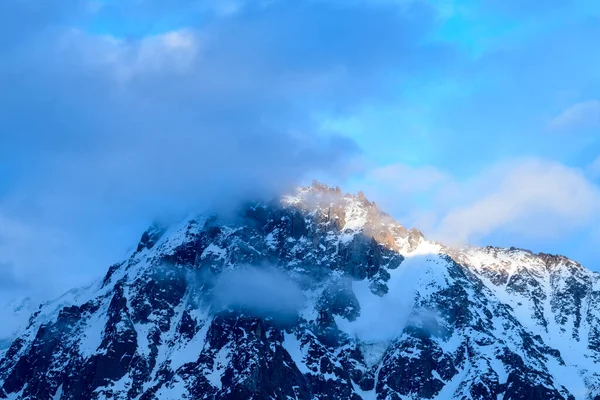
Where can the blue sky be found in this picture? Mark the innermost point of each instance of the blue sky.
(476, 121)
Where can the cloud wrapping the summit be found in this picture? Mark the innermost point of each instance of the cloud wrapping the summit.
(116, 112)
(122, 112)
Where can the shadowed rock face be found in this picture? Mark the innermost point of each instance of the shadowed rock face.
(385, 315)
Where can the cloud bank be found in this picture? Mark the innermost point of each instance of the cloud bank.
(114, 114)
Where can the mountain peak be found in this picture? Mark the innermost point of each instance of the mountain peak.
(322, 187)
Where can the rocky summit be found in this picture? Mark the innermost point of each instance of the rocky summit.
(319, 295)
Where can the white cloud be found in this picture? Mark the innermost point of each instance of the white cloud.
(528, 198)
(532, 197)
(581, 115)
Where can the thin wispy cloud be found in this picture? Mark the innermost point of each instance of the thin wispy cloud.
(580, 115)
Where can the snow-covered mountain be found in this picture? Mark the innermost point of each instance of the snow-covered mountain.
(317, 296)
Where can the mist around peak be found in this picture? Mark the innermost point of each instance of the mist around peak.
(260, 291)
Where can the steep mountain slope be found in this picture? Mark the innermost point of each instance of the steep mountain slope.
(320, 295)
(15, 314)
